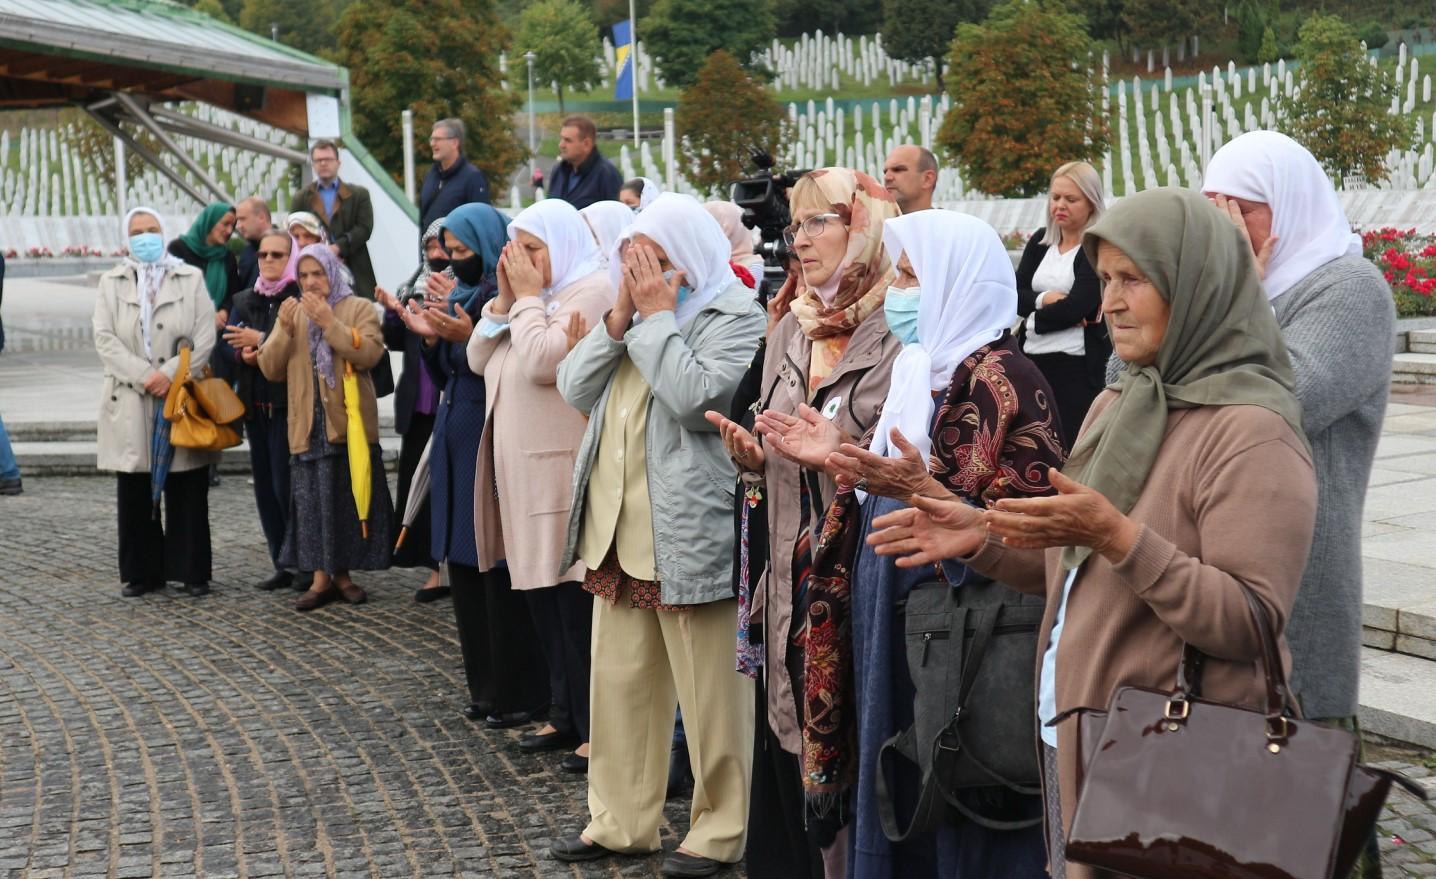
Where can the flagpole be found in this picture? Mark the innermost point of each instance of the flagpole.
(633, 53)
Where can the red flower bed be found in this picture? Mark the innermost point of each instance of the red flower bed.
(1408, 260)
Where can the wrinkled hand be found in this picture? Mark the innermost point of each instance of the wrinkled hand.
(855, 466)
(243, 337)
(416, 318)
(807, 439)
(157, 384)
(620, 317)
(577, 328)
(287, 309)
(742, 446)
(451, 326)
(317, 309)
(931, 530)
(650, 292)
(524, 278)
(1234, 213)
(1076, 516)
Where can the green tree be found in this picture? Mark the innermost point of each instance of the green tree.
(1025, 99)
(438, 58)
(564, 40)
(308, 27)
(1157, 23)
(1339, 109)
(214, 9)
(921, 30)
(1252, 18)
(798, 17)
(610, 12)
(722, 117)
(682, 34)
(1268, 53)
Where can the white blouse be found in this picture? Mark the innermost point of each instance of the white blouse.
(1056, 273)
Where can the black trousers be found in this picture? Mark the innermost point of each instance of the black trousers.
(269, 459)
(415, 551)
(180, 551)
(563, 616)
(1073, 390)
(779, 845)
(503, 665)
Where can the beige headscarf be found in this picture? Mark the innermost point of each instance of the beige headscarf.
(1223, 346)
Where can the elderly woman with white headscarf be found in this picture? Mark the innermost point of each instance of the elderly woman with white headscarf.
(549, 271)
(639, 193)
(145, 307)
(1337, 320)
(651, 522)
(607, 220)
(966, 414)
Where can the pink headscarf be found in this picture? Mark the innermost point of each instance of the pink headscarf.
(273, 288)
(740, 237)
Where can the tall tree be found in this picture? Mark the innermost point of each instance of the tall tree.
(682, 34)
(438, 58)
(922, 30)
(609, 12)
(1339, 109)
(722, 118)
(305, 26)
(214, 9)
(1026, 97)
(564, 40)
(798, 17)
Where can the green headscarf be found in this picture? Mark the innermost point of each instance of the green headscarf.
(216, 279)
(1222, 347)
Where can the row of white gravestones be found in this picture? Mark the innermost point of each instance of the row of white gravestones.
(50, 179)
(819, 61)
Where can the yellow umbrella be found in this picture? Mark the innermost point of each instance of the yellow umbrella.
(360, 472)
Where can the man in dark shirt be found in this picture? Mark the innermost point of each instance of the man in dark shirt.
(454, 180)
(582, 175)
(251, 221)
(346, 210)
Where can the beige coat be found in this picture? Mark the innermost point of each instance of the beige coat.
(182, 309)
(531, 436)
(284, 357)
(852, 394)
(1230, 500)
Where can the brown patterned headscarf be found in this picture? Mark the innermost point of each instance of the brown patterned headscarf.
(863, 277)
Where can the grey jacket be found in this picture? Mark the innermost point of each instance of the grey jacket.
(1339, 324)
(690, 476)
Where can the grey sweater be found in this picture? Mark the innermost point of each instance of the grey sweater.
(1339, 324)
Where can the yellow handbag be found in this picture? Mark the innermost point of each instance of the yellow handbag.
(199, 411)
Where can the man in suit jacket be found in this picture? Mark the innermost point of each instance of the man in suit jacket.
(346, 211)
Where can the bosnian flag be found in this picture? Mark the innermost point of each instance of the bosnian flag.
(623, 44)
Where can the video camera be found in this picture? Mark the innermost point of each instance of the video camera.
(764, 200)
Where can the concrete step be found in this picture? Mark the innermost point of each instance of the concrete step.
(77, 457)
(1414, 368)
(86, 431)
(1399, 606)
(1421, 341)
(1398, 697)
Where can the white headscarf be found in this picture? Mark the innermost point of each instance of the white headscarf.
(572, 252)
(607, 220)
(1306, 216)
(969, 297)
(650, 191)
(695, 244)
(149, 276)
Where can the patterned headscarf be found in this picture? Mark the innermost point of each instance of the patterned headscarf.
(148, 275)
(319, 350)
(828, 315)
(273, 288)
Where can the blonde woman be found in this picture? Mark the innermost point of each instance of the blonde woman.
(1059, 298)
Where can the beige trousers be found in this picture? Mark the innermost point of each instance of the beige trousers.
(644, 661)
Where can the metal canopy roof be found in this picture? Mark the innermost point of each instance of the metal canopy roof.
(55, 52)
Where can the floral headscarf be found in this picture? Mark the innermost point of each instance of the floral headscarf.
(319, 350)
(829, 315)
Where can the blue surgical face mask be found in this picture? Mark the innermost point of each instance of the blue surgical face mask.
(684, 291)
(147, 246)
(900, 308)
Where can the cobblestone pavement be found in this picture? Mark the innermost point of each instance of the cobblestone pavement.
(229, 736)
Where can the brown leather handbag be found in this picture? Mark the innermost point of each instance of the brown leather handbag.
(1178, 787)
(201, 410)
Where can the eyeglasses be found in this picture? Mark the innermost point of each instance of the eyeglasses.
(272, 254)
(437, 138)
(811, 227)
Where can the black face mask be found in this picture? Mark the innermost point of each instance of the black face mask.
(469, 271)
(439, 264)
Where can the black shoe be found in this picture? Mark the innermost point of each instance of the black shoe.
(511, 719)
(478, 711)
(302, 581)
(680, 864)
(574, 850)
(680, 773)
(214, 476)
(11, 486)
(574, 763)
(424, 596)
(533, 743)
(280, 580)
(134, 590)
(197, 589)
